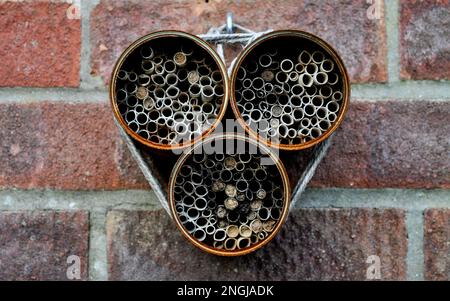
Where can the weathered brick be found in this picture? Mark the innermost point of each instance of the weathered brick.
(64, 146)
(360, 40)
(327, 244)
(409, 145)
(437, 244)
(36, 245)
(380, 144)
(39, 44)
(77, 146)
(347, 162)
(424, 39)
(389, 144)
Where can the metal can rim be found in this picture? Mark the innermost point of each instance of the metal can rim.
(337, 59)
(160, 34)
(286, 195)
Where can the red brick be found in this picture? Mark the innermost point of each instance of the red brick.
(437, 244)
(347, 162)
(63, 146)
(315, 244)
(380, 144)
(389, 144)
(424, 39)
(409, 145)
(360, 41)
(39, 44)
(36, 245)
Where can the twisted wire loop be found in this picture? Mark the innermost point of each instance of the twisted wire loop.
(220, 37)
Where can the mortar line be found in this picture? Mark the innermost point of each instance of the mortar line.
(97, 246)
(77, 200)
(402, 91)
(87, 80)
(392, 39)
(415, 255)
(65, 95)
(406, 199)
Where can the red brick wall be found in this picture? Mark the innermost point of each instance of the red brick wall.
(57, 134)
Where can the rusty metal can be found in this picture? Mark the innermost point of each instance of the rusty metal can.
(217, 230)
(149, 85)
(300, 61)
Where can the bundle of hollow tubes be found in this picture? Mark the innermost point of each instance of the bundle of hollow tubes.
(168, 93)
(289, 95)
(169, 90)
(228, 201)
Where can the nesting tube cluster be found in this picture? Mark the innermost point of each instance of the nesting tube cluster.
(169, 91)
(229, 201)
(289, 91)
